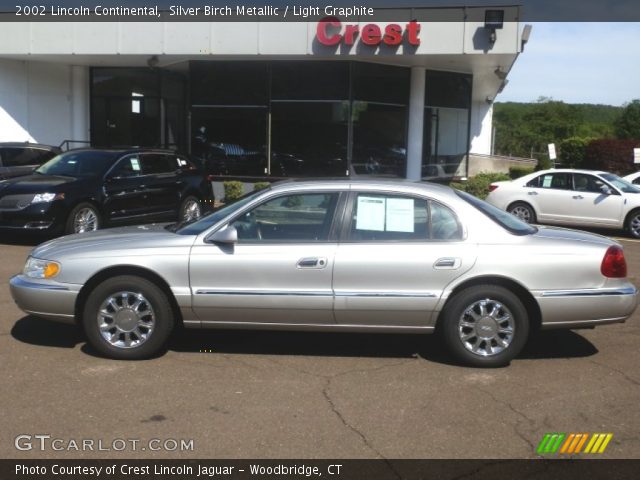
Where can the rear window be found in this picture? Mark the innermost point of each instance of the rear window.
(502, 218)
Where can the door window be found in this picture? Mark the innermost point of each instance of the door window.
(17, 157)
(559, 181)
(378, 217)
(289, 218)
(154, 164)
(587, 183)
(127, 167)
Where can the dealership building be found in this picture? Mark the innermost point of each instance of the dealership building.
(405, 94)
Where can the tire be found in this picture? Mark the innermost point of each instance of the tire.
(190, 209)
(633, 224)
(84, 217)
(144, 325)
(475, 339)
(523, 211)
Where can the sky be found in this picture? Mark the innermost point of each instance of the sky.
(578, 63)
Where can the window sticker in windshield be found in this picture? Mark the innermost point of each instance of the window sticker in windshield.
(400, 215)
(370, 214)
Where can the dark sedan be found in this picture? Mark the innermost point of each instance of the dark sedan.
(87, 189)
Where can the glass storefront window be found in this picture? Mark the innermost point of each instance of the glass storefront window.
(310, 80)
(309, 138)
(374, 82)
(229, 83)
(379, 139)
(230, 141)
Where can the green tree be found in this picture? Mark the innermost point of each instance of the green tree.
(572, 151)
(628, 124)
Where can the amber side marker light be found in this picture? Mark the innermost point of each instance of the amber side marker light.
(51, 270)
(613, 264)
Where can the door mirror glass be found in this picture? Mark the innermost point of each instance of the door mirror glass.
(227, 235)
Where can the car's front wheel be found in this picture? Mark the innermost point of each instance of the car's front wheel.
(633, 224)
(523, 211)
(190, 209)
(84, 217)
(128, 318)
(485, 326)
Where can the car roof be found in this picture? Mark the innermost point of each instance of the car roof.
(570, 170)
(124, 151)
(363, 182)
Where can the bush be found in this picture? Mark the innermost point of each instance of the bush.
(615, 156)
(543, 164)
(260, 186)
(517, 172)
(478, 186)
(573, 150)
(233, 190)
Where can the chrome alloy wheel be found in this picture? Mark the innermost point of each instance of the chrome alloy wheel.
(85, 220)
(191, 211)
(126, 319)
(486, 327)
(634, 226)
(522, 212)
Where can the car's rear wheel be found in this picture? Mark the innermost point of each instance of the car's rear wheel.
(128, 318)
(633, 224)
(523, 211)
(84, 217)
(190, 209)
(485, 326)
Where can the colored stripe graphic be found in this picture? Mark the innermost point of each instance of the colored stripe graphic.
(573, 442)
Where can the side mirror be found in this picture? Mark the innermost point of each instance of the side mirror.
(227, 235)
(606, 190)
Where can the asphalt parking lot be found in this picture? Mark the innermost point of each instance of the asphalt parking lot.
(295, 395)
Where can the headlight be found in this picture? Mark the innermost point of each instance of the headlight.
(47, 197)
(38, 268)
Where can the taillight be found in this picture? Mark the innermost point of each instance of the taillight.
(613, 264)
(492, 187)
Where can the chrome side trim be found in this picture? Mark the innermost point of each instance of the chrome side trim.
(266, 292)
(317, 293)
(19, 282)
(387, 294)
(591, 292)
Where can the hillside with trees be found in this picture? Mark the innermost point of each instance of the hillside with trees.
(584, 134)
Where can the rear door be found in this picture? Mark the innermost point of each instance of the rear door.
(399, 253)
(280, 270)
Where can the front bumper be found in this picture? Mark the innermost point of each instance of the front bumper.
(44, 217)
(586, 308)
(47, 299)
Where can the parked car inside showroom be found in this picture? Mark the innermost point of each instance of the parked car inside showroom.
(583, 198)
(86, 189)
(22, 158)
(340, 255)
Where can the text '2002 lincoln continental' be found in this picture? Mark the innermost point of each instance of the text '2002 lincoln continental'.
(340, 255)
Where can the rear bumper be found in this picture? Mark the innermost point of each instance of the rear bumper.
(586, 307)
(51, 300)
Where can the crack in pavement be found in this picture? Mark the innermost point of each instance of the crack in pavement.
(619, 372)
(531, 421)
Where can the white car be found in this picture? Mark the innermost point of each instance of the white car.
(633, 178)
(571, 197)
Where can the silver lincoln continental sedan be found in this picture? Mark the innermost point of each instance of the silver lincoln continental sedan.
(340, 255)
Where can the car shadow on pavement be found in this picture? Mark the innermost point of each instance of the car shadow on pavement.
(38, 331)
(548, 344)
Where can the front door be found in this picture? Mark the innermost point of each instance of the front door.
(591, 206)
(279, 271)
(125, 195)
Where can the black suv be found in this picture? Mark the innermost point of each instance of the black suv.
(86, 189)
(22, 158)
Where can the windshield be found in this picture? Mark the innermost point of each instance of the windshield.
(84, 163)
(502, 218)
(620, 183)
(196, 228)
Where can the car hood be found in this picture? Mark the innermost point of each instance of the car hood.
(34, 184)
(140, 239)
(559, 233)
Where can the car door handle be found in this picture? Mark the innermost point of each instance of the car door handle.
(312, 262)
(532, 193)
(578, 197)
(447, 263)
